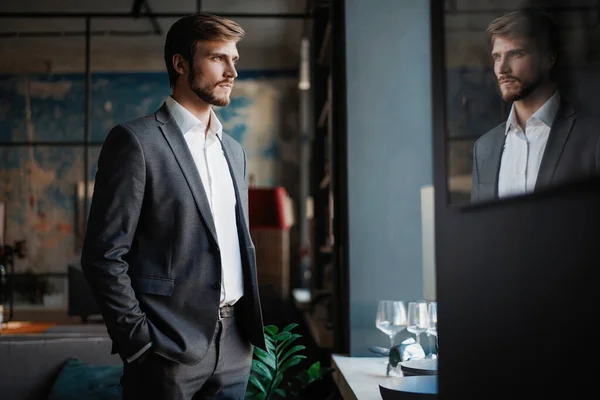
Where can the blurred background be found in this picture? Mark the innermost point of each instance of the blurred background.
(70, 70)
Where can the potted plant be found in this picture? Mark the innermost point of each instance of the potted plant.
(274, 372)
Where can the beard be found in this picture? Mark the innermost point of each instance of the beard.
(523, 91)
(206, 91)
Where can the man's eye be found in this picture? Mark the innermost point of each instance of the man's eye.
(218, 58)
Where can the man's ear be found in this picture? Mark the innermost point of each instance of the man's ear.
(179, 64)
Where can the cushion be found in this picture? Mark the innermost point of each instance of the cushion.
(78, 380)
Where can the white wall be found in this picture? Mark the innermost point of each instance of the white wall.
(389, 157)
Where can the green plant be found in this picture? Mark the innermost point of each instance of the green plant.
(270, 368)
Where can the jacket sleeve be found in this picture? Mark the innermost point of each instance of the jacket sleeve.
(113, 217)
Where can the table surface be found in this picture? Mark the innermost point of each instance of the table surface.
(9, 328)
(358, 378)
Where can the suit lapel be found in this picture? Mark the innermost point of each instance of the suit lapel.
(492, 173)
(235, 169)
(559, 133)
(180, 149)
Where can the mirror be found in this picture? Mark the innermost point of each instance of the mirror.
(520, 96)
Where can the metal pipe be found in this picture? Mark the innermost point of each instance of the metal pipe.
(87, 133)
(146, 15)
(18, 34)
(50, 144)
(549, 9)
(153, 20)
(306, 136)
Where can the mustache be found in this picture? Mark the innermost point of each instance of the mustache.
(508, 78)
(225, 82)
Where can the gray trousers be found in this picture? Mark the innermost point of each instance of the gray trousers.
(221, 374)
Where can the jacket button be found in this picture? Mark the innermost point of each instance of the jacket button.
(216, 285)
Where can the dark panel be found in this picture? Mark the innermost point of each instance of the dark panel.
(518, 294)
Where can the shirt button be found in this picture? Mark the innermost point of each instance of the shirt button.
(216, 285)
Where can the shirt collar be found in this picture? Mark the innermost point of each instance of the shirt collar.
(187, 121)
(545, 113)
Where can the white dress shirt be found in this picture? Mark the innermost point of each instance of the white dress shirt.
(218, 185)
(523, 151)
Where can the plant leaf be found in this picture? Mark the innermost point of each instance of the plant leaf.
(283, 345)
(300, 380)
(267, 358)
(291, 362)
(303, 376)
(282, 337)
(289, 327)
(251, 395)
(253, 379)
(291, 351)
(314, 371)
(270, 346)
(260, 369)
(276, 382)
(281, 392)
(326, 371)
(271, 330)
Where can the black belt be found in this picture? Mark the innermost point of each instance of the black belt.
(226, 311)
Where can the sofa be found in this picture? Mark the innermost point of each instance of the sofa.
(31, 364)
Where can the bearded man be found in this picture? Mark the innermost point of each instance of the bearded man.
(167, 250)
(544, 142)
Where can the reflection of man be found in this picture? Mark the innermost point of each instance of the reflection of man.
(167, 251)
(544, 141)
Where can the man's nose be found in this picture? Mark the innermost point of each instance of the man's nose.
(231, 72)
(503, 66)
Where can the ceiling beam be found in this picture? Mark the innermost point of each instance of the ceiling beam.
(143, 15)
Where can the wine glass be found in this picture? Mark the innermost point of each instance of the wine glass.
(391, 318)
(432, 323)
(417, 318)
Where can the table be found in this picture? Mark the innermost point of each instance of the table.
(358, 378)
(9, 328)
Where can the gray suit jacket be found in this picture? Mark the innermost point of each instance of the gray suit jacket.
(572, 153)
(151, 253)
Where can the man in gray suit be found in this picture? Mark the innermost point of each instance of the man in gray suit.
(167, 250)
(544, 141)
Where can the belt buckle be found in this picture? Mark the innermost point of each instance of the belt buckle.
(224, 309)
(227, 311)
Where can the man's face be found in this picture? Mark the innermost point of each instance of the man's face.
(212, 71)
(519, 66)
